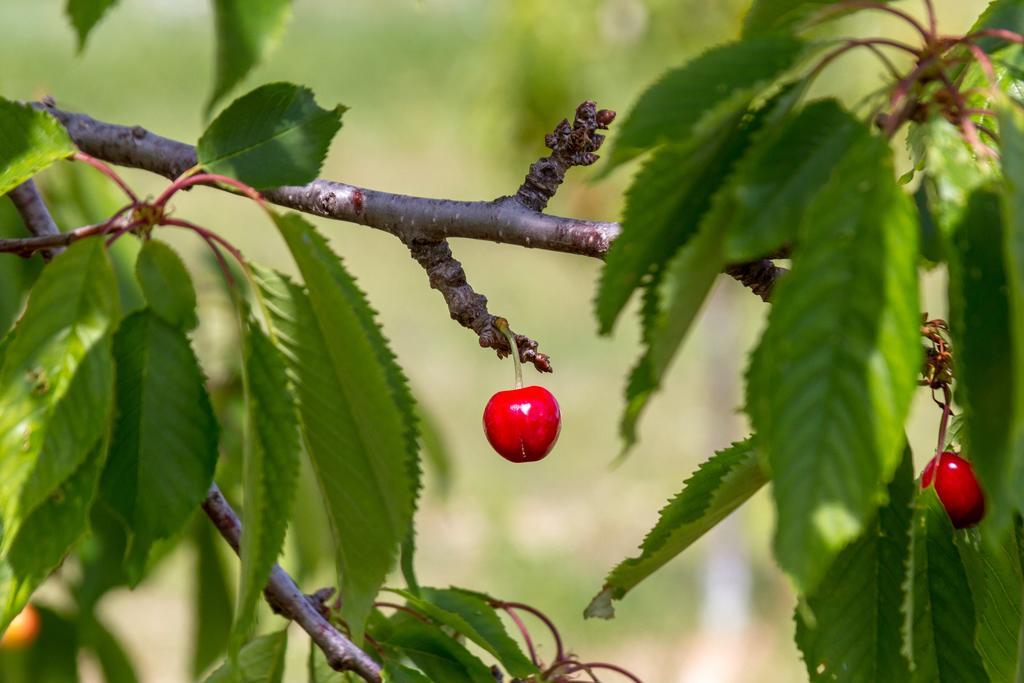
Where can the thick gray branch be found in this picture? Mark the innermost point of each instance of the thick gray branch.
(286, 599)
(35, 214)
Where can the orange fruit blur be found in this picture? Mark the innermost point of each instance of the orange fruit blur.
(23, 630)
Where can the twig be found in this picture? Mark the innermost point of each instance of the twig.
(286, 599)
(35, 214)
(758, 276)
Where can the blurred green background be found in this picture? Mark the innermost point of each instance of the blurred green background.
(451, 98)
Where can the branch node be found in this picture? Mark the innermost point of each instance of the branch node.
(571, 145)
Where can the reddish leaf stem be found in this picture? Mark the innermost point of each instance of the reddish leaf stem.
(107, 171)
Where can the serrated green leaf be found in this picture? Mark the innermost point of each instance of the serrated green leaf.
(849, 629)
(767, 16)
(396, 673)
(699, 95)
(994, 572)
(274, 135)
(435, 653)
(356, 412)
(260, 661)
(246, 32)
(718, 487)
(780, 176)
(84, 15)
(30, 140)
(164, 448)
(115, 663)
(214, 606)
(269, 473)
(471, 616)
(980, 326)
(166, 284)
(1011, 128)
(47, 535)
(671, 302)
(56, 381)
(831, 381)
(940, 614)
(664, 208)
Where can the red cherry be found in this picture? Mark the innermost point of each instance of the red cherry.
(522, 424)
(957, 488)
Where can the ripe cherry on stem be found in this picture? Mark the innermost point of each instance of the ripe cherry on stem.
(955, 483)
(521, 424)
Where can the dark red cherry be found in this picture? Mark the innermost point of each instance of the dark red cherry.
(957, 488)
(522, 424)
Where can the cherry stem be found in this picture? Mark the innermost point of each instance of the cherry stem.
(933, 23)
(107, 171)
(402, 608)
(944, 422)
(559, 649)
(186, 181)
(855, 4)
(572, 668)
(503, 327)
(525, 633)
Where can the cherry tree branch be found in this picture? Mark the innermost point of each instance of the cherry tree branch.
(286, 599)
(35, 214)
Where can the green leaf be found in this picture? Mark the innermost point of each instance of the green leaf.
(84, 15)
(980, 325)
(117, 667)
(436, 451)
(166, 285)
(690, 101)
(165, 437)
(17, 275)
(261, 661)
(269, 473)
(56, 382)
(718, 487)
(831, 381)
(435, 653)
(1011, 130)
(274, 135)
(396, 673)
(357, 414)
(469, 615)
(994, 573)
(664, 208)
(30, 140)
(47, 535)
(767, 16)
(850, 628)
(671, 303)
(213, 607)
(785, 169)
(939, 612)
(247, 31)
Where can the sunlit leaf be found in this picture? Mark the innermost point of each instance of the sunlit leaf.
(166, 284)
(30, 140)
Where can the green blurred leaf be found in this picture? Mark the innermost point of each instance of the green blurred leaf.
(693, 100)
(396, 673)
(47, 535)
(261, 661)
(471, 616)
(849, 629)
(17, 275)
(980, 326)
(718, 487)
(1011, 130)
(664, 208)
(213, 606)
(117, 667)
(166, 284)
(84, 15)
(435, 653)
(436, 451)
(274, 135)
(785, 169)
(269, 473)
(30, 140)
(56, 381)
(246, 32)
(940, 618)
(994, 573)
(768, 16)
(356, 412)
(101, 556)
(830, 383)
(165, 437)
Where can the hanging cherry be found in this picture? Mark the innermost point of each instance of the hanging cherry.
(521, 424)
(957, 488)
